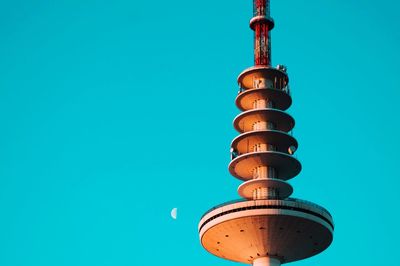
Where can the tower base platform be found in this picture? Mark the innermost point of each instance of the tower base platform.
(287, 230)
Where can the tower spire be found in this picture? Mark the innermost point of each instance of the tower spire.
(261, 24)
(266, 227)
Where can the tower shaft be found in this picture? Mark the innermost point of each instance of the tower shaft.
(266, 261)
(262, 23)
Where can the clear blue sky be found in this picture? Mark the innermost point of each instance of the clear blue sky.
(114, 112)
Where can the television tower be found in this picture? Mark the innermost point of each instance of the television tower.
(266, 227)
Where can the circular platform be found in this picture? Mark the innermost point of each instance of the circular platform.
(246, 189)
(262, 19)
(242, 166)
(245, 142)
(289, 230)
(244, 121)
(282, 100)
(246, 78)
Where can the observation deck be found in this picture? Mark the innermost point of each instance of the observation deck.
(244, 230)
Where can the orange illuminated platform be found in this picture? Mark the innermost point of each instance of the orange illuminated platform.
(247, 77)
(286, 165)
(245, 121)
(280, 97)
(245, 142)
(288, 230)
(246, 190)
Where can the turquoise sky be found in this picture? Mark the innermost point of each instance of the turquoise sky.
(114, 112)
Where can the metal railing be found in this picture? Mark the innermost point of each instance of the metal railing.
(321, 209)
(285, 89)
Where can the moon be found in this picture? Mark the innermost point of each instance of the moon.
(174, 213)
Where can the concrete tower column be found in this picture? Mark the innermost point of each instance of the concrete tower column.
(263, 125)
(266, 261)
(263, 103)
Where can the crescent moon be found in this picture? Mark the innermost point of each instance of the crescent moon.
(174, 213)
